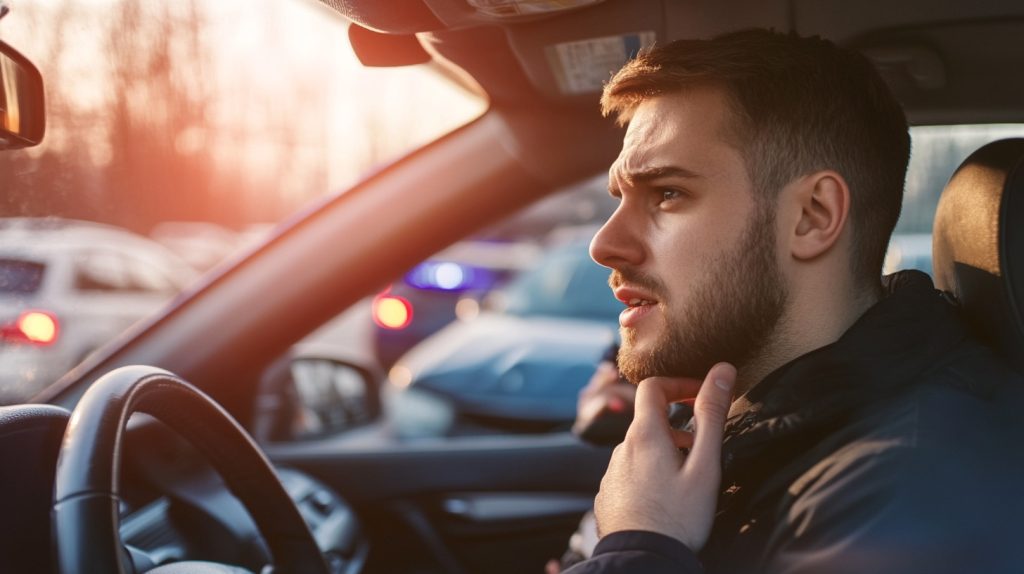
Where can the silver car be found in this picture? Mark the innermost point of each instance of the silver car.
(67, 287)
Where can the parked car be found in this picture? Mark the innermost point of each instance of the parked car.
(425, 298)
(520, 363)
(66, 288)
(375, 502)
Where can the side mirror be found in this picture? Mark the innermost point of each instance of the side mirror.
(22, 109)
(315, 396)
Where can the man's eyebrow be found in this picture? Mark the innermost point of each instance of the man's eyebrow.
(648, 175)
(652, 173)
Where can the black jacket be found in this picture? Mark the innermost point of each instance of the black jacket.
(898, 448)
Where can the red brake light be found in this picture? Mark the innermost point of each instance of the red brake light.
(391, 312)
(34, 327)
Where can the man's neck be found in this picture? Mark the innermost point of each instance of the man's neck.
(801, 331)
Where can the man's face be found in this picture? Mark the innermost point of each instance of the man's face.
(692, 252)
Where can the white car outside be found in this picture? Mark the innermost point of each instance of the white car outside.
(67, 287)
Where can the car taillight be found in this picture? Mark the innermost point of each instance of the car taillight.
(391, 312)
(32, 327)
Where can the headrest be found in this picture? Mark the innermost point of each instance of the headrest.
(978, 245)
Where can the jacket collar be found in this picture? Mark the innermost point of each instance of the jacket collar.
(885, 351)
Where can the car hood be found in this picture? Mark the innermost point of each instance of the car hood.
(510, 368)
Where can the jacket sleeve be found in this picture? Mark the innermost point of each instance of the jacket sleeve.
(639, 551)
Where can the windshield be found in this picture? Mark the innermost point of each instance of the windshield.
(188, 130)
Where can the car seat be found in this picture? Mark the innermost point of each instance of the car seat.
(978, 245)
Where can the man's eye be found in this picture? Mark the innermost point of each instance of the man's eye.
(668, 194)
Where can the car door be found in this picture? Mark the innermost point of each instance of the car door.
(466, 504)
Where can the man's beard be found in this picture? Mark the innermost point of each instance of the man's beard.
(730, 316)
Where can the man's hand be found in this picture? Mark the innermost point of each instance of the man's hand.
(604, 390)
(605, 394)
(651, 485)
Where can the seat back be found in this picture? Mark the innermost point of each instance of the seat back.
(978, 245)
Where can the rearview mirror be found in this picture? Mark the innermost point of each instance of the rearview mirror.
(22, 109)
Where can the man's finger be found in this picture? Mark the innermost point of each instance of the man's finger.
(709, 412)
(653, 395)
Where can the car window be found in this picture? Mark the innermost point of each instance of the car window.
(116, 272)
(936, 151)
(100, 272)
(19, 276)
(146, 275)
(189, 127)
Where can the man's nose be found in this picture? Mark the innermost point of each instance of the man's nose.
(617, 244)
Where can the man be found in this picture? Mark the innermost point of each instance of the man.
(760, 177)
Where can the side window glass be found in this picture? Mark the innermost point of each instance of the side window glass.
(17, 276)
(145, 276)
(97, 271)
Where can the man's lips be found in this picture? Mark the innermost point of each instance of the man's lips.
(639, 304)
(634, 297)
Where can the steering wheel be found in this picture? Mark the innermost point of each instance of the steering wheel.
(86, 490)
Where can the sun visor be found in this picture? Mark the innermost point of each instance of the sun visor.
(391, 16)
(375, 49)
(412, 16)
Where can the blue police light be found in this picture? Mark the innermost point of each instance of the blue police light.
(448, 276)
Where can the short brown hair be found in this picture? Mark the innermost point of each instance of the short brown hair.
(800, 105)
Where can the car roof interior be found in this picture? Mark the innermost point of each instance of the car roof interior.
(948, 62)
(941, 57)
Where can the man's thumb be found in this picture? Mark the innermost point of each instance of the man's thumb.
(709, 412)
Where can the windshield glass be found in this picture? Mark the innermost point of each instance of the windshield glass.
(187, 129)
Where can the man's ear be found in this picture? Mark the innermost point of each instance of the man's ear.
(823, 199)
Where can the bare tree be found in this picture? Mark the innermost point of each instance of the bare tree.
(57, 177)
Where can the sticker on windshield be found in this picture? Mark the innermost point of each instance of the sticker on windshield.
(583, 67)
(505, 8)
